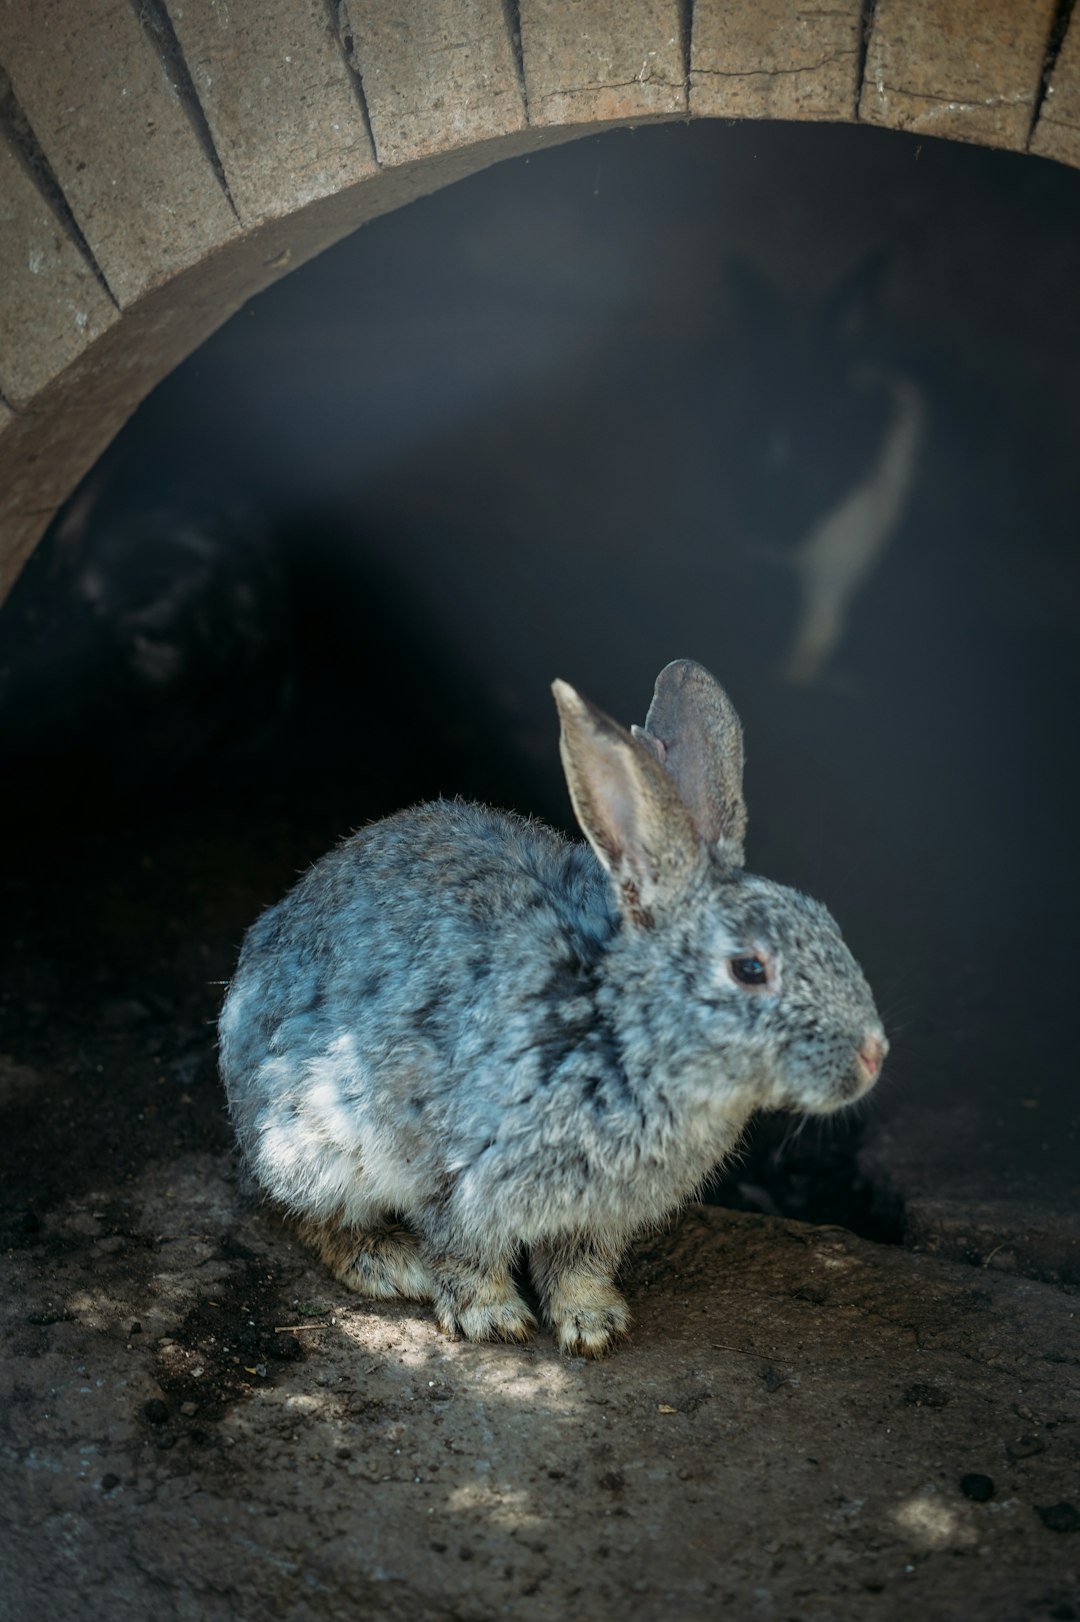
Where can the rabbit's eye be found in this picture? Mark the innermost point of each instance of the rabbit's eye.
(749, 971)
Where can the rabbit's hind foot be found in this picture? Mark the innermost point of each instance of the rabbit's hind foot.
(383, 1263)
(580, 1302)
(479, 1304)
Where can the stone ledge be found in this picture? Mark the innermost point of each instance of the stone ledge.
(792, 1416)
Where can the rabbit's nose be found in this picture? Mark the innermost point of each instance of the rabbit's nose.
(871, 1055)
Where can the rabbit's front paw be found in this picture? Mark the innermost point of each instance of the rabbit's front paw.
(581, 1303)
(384, 1262)
(481, 1306)
(587, 1321)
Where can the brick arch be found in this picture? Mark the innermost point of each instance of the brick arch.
(163, 160)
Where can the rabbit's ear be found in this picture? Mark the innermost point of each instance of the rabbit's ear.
(693, 732)
(628, 808)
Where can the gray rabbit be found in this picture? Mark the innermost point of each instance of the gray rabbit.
(461, 1036)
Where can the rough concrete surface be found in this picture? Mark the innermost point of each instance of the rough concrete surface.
(108, 111)
(967, 69)
(780, 59)
(51, 295)
(200, 1424)
(434, 79)
(618, 61)
(276, 89)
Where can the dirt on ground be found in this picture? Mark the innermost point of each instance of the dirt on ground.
(199, 1423)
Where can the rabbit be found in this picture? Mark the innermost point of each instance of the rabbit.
(461, 1036)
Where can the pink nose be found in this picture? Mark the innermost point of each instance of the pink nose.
(871, 1055)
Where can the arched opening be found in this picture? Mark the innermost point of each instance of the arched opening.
(790, 400)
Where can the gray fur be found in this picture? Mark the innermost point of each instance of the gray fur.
(460, 1019)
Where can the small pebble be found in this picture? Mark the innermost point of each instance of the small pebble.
(1059, 1517)
(156, 1411)
(980, 1489)
(109, 1481)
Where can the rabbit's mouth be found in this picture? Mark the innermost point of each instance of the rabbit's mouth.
(849, 1085)
(864, 1072)
(870, 1057)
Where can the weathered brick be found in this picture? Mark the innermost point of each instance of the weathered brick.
(118, 138)
(969, 69)
(601, 61)
(436, 76)
(273, 82)
(775, 59)
(52, 304)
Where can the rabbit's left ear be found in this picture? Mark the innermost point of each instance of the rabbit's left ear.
(627, 806)
(693, 733)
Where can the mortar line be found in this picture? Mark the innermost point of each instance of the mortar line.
(867, 15)
(512, 17)
(157, 24)
(31, 154)
(342, 31)
(1059, 27)
(686, 41)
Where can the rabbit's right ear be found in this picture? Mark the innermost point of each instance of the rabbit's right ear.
(627, 806)
(693, 732)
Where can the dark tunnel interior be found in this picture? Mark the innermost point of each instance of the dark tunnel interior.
(798, 402)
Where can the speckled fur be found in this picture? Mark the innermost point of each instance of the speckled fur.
(514, 1043)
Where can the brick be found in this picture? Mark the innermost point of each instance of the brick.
(52, 304)
(118, 138)
(968, 69)
(436, 76)
(601, 61)
(273, 82)
(775, 59)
